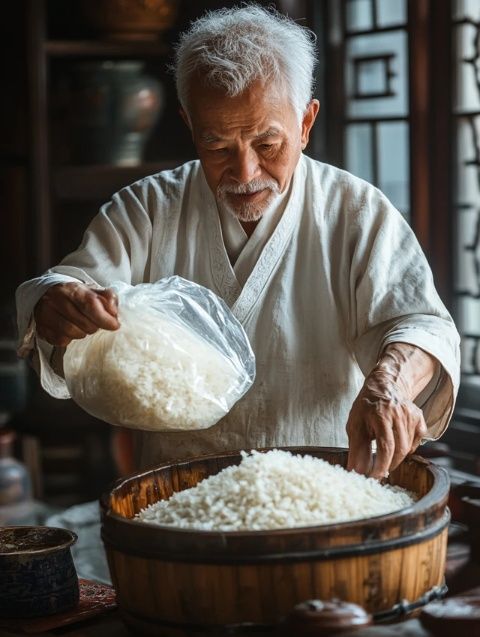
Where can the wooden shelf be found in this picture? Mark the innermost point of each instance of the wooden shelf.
(105, 48)
(94, 183)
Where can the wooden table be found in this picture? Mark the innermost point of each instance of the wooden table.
(108, 625)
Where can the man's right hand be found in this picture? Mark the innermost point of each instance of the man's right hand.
(68, 311)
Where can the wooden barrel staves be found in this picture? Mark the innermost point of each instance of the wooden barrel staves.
(177, 581)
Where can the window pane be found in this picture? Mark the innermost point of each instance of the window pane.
(371, 78)
(466, 94)
(359, 151)
(391, 12)
(466, 9)
(359, 15)
(466, 275)
(382, 44)
(467, 191)
(469, 311)
(470, 353)
(393, 163)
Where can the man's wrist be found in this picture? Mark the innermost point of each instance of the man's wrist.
(409, 368)
(389, 374)
(380, 384)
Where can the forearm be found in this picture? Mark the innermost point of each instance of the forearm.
(408, 367)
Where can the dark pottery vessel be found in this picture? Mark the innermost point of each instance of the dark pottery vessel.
(37, 574)
(325, 618)
(456, 616)
(114, 107)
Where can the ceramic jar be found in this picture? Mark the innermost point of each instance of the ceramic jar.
(37, 574)
(114, 107)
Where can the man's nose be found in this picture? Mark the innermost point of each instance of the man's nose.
(245, 166)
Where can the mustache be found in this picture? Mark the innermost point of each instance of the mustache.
(247, 189)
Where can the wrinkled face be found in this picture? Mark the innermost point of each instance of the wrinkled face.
(248, 145)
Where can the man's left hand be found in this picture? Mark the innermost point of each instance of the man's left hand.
(381, 412)
(384, 410)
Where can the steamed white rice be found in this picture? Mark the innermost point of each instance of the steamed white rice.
(276, 490)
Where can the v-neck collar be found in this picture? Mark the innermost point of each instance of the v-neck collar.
(243, 251)
(234, 235)
(241, 300)
(249, 256)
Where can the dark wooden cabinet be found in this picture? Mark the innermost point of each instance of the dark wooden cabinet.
(66, 195)
(47, 199)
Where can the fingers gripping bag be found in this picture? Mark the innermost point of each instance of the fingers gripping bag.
(180, 359)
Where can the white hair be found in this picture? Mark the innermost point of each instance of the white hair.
(232, 48)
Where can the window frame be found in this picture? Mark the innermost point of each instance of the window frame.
(431, 134)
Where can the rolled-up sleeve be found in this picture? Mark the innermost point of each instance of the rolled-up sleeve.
(393, 299)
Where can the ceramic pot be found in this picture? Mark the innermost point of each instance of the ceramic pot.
(317, 618)
(114, 107)
(37, 574)
(15, 483)
(129, 19)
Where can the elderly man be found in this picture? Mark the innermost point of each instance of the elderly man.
(325, 276)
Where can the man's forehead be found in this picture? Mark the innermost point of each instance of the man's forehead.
(211, 135)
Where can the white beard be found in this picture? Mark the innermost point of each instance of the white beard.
(248, 211)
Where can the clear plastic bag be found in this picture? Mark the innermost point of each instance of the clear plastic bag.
(179, 361)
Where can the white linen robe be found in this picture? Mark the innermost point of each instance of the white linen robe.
(341, 276)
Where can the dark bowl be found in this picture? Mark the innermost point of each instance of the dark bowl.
(454, 616)
(37, 574)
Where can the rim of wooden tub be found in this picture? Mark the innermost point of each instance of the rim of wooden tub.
(425, 519)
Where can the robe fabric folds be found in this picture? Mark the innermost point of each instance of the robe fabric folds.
(338, 277)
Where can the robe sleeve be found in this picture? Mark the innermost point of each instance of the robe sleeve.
(393, 299)
(115, 247)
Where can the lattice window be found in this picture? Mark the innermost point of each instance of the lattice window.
(466, 20)
(376, 91)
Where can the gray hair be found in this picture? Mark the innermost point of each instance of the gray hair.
(232, 48)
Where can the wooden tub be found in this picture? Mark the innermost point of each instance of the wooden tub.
(178, 582)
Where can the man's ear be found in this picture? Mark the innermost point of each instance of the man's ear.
(308, 120)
